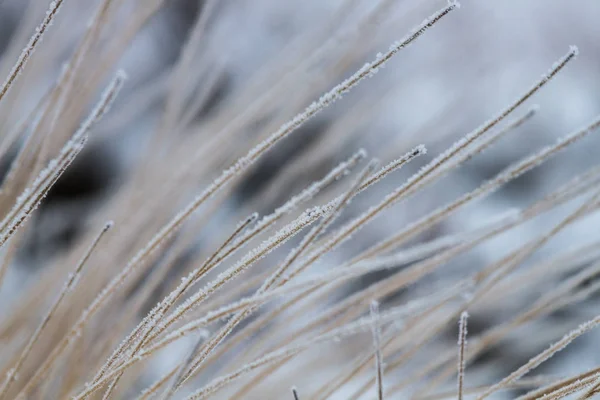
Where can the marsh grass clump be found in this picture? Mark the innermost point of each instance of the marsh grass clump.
(197, 292)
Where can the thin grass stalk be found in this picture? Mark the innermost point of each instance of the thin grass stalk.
(462, 343)
(376, 329)
(170, 391)
(27, 52)
(68, 287)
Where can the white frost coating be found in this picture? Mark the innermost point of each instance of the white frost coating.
(283, 274)
(292, 204)
(425, 302)
(30, 198)
(345, 233)
(106, 101)
(454, 3)
(393, 166)
(574, 49)
(305, 195)
(267, 246)
(378, 176)
(257, 151)
(486, 188)
(30, 47)
(573, 52)
(546, 152)
(510, 173)
(441, 171)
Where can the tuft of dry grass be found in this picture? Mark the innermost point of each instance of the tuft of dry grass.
(194, 294)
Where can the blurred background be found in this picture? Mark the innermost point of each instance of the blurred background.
(462, 72)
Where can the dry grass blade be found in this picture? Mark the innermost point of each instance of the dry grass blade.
(590, 392)
(508, 263)
(462, 344)
(53, 9)
(376, 328)
(545, 305)
(380, 264)
(564, 386)
(69, 285)
(525, 383)
(151, 391)
(170, 391)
